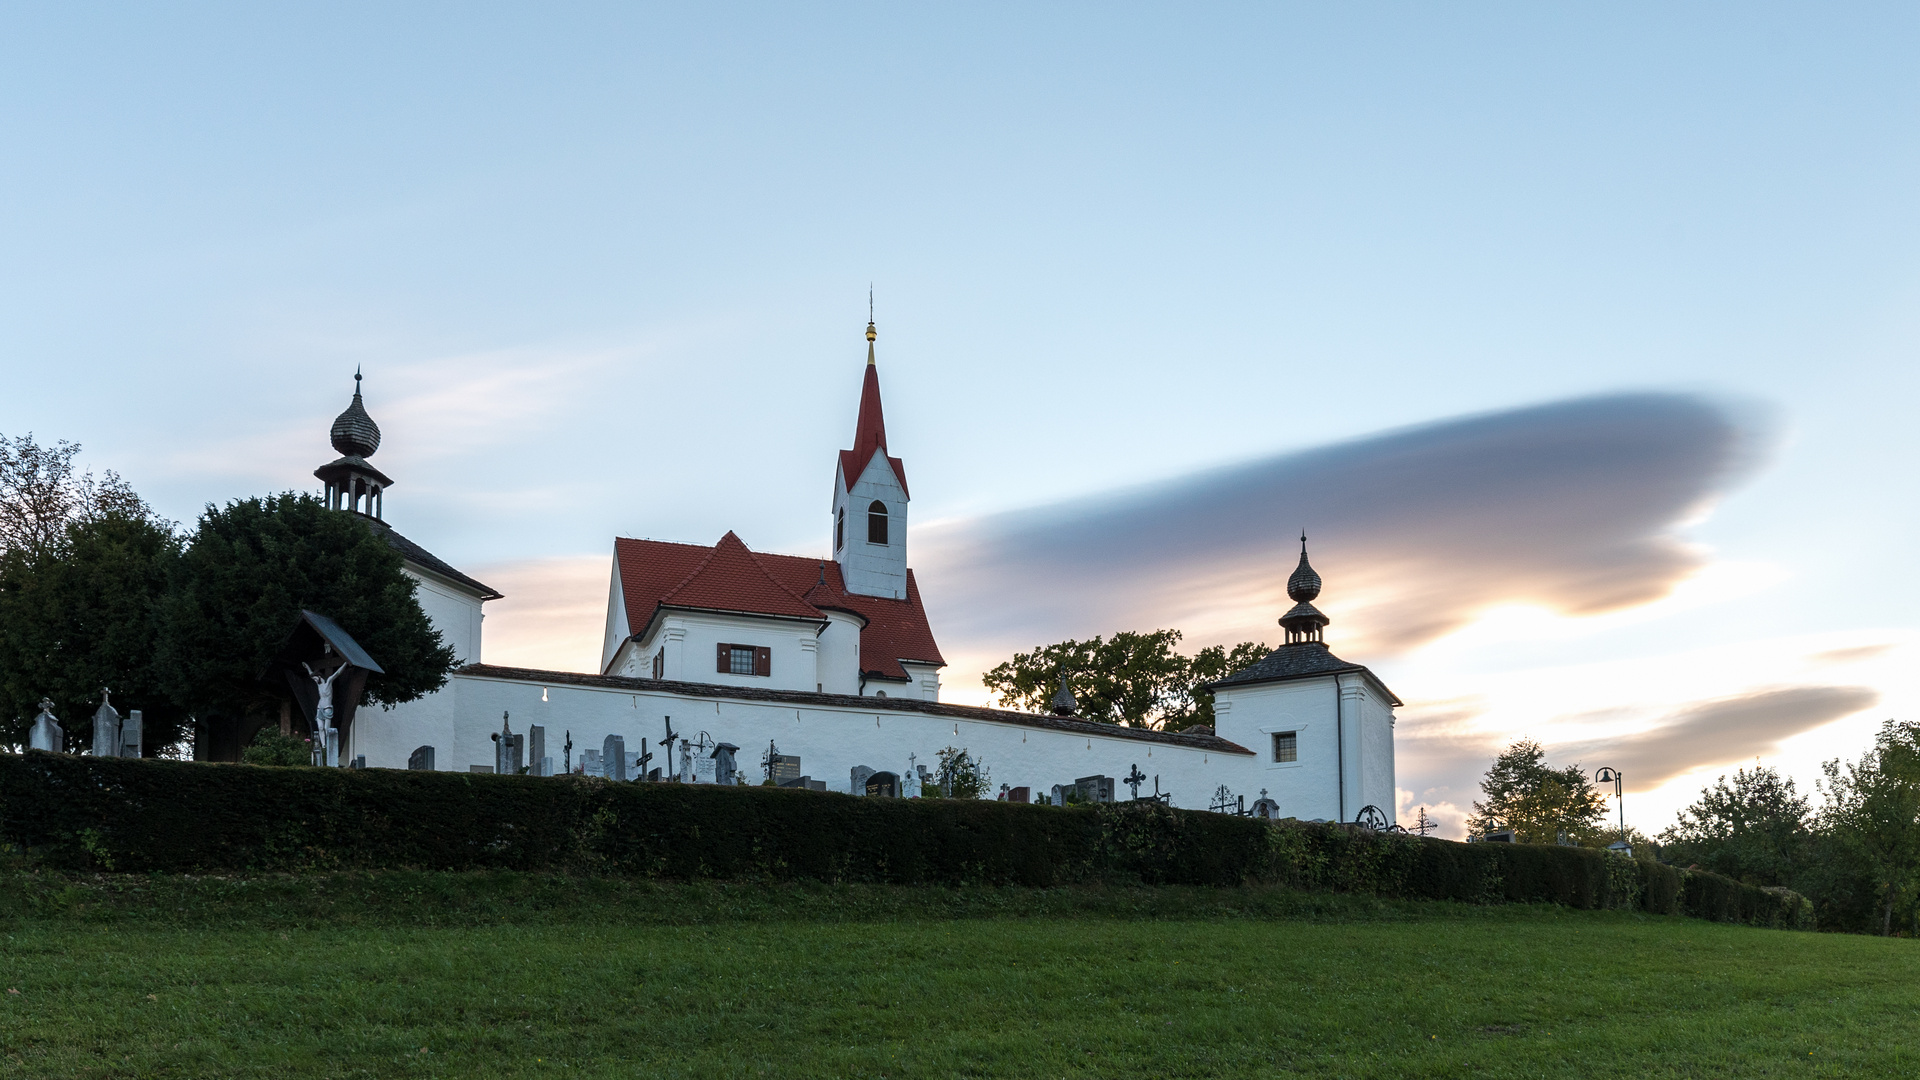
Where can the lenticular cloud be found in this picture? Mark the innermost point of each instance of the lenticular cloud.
(1571, 505)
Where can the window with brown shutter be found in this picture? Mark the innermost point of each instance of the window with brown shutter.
(744, 660)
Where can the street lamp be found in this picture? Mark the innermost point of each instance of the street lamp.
(1614, 777)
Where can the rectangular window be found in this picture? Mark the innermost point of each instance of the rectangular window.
(1286, 746)
(660, 663)
(744, 660)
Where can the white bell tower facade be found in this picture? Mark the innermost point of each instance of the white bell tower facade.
(870, 502)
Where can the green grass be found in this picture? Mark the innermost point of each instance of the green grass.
(510, 975)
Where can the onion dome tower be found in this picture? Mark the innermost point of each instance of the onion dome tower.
(353, 484)
(1304, 622)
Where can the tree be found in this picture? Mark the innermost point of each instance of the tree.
(83, 564)
(77, 615)
(1754, 830)
(41, 494)
(269, 747)
(1872, 812)
(239, 588)
(1538, 802)
(1134, 679)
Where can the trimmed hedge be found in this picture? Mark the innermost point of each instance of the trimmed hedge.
(86, 813)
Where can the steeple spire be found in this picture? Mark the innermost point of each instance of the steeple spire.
(352, 482)
(1304, 622)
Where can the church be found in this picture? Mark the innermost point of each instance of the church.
(724, 664)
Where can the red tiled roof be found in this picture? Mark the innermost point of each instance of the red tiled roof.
(731, 577)
(869, 436)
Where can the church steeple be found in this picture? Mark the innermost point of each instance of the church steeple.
(1304, 622)
(870, 499)
(352, 482)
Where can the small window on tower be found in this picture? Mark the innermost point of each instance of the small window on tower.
(1286, 746)
(877, 523)
(840, 529)
(660, 663)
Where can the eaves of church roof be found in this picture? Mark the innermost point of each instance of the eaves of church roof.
(423, 559)
(657, 576)
(1302, 660)
(1212, 743)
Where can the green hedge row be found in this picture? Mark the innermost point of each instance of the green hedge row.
(186, 817)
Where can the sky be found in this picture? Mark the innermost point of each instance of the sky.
(1580, 339)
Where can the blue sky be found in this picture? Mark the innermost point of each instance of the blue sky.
(606, 270)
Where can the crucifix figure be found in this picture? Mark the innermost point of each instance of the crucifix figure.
(1134, 779)
(325, 749)
(569, 750)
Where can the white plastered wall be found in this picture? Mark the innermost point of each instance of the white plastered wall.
(830, 740)
(872, 569)
(1343, 728)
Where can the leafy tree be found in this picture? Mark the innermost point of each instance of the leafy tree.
(1754, 830)
(1135, 679)
(1872, 814)
(239, 588)
(269, 747)
(960, 776)
(41, 494)
(1538, 802)
(77, 615)
(82, 565)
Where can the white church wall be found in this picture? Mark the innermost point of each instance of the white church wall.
(923, 682)
(453, 611)
(617, 629)
(388, 737)
(693, 638)
(830, 740)
(838, 659)
(1377, 780)
(1309, 786)
(867, 568)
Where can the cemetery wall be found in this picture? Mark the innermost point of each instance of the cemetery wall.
(127, 815)
(831, 735)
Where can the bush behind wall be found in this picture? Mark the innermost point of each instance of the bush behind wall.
(184, 817)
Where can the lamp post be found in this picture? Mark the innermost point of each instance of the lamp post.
(1614, 777)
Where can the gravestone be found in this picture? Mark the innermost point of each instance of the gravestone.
(1064, 793)
(1503, 836)
(359, 762)
(786, 768)
(860, 774)
(106, 728)
(590, 763)
(882, 784)
(537, 751)
(1020, 794)
(421, 759)
(1094, 789)
(480, 768)
(806, 783)
(47, 734)
(1265, 808)
(725, 768)
(613, 758)
(909, 783)
(133, 734)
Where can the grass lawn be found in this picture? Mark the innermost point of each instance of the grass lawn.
(455, 977)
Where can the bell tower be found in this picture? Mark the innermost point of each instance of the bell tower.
(352, 482)
(870, 501)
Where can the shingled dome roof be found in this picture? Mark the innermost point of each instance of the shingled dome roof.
(354, 432)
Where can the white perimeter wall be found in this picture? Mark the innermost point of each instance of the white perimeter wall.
(830, 741)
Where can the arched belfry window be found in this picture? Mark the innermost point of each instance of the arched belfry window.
(877, 523)
(840, 529)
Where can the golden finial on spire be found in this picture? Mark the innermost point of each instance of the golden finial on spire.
(870, 331)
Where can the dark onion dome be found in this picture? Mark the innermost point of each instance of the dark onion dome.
(354, 432)
(1304, 585)
(1063, 702)
(1303, 616)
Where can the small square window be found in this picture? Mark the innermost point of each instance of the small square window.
(1286, 746)
(740, 660)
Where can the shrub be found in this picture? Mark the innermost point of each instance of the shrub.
(162, 816)
(270, 747)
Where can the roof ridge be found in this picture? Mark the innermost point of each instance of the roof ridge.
(714, 553)
(755, 556)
